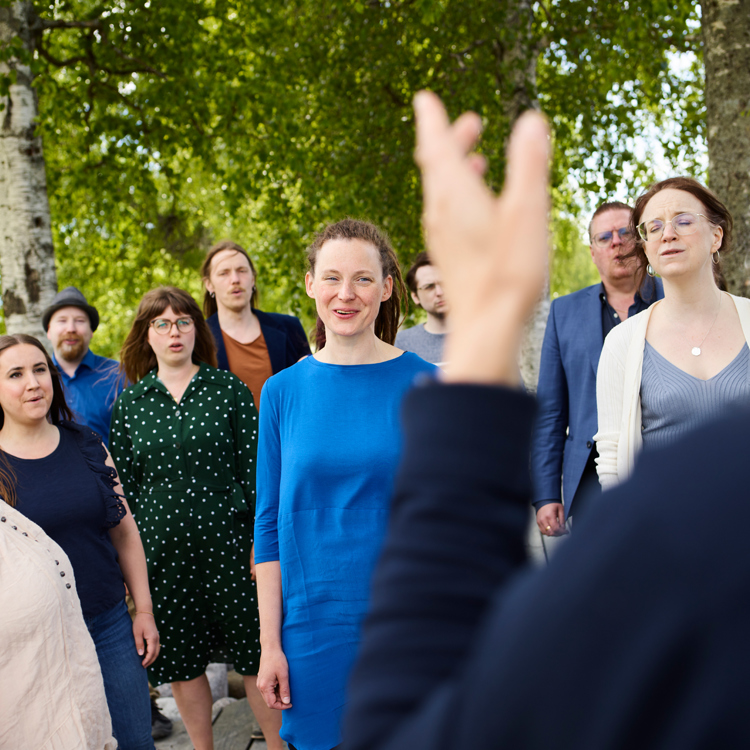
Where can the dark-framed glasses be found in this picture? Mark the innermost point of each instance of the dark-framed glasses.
(604, 239)
(163, 326)
(683, 224)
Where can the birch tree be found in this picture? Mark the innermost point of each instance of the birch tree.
(27, 261)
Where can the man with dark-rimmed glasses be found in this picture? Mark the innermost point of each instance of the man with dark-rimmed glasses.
(563, 453)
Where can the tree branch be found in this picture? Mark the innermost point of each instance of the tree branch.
(95, 24)
(144, 67)
(128, 102)
(58, 63)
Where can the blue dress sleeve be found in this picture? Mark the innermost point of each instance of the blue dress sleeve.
(268, 478)
(95, 454)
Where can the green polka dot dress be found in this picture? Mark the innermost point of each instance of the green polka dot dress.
(188, 471)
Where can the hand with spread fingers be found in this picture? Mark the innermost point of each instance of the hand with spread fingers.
(492, 251)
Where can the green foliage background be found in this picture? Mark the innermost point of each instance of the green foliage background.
(169, 125)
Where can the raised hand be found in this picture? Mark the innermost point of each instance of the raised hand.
(492, 251)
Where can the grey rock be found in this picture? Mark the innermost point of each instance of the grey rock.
(164, 690)
(217, 679)
(236, 685)
(234, 727)
(219, 706)
(179, 739)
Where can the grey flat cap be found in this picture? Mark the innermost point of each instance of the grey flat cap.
(70, 297)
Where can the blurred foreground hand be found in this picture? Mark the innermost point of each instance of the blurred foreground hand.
(492, 251)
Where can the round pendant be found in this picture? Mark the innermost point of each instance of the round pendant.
(696, 351)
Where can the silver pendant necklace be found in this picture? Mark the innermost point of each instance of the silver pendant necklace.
(696, 350)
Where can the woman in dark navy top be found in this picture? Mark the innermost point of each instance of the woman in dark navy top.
(60, 475)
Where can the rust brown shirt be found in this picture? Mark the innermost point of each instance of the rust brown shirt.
(249, 362)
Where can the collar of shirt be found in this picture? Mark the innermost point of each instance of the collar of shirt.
(151, 381)
(639, 298)
(89, 360)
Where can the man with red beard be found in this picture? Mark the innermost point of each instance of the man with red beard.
(92, 383)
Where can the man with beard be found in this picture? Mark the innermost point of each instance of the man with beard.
(92, 383)
(426, 340)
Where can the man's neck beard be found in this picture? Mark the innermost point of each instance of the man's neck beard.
(73, 353)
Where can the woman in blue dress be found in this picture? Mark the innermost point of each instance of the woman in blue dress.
(328, 450)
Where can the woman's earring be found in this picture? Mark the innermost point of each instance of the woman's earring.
(716, 258)
(213, 295)
(650, 270)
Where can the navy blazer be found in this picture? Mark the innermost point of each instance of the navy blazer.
(567, 394)
(284, 335)
(648, 605)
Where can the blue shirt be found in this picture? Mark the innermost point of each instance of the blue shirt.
(328, 449)
(642, 300)
(92, 391)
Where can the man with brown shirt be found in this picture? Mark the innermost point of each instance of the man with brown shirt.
(250, 343)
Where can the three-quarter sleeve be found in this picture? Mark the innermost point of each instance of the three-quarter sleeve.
(269, 477)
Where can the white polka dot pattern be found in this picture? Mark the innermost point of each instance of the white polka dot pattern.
(188, 471)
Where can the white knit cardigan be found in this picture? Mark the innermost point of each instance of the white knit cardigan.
(618, 393)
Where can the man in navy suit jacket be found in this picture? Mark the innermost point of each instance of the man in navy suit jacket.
(563, 452)
(261, 343)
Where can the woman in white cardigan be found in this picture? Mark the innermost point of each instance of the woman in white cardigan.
(693, 337)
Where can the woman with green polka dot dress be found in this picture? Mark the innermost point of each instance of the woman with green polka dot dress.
(184, 440)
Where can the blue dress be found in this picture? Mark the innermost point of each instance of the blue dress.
(329, 446)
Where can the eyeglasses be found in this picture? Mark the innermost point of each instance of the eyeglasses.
(163, 326)
(683, 224)
(430, 287)
(604, 239)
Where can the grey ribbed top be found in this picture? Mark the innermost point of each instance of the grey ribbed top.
(674, 402)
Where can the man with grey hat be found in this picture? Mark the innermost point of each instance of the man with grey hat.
(92, 383)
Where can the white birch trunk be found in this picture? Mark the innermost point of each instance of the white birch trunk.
(27, 259)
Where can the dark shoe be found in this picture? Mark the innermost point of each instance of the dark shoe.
(161, 726)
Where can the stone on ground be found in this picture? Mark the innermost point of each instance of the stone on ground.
(234, 725)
